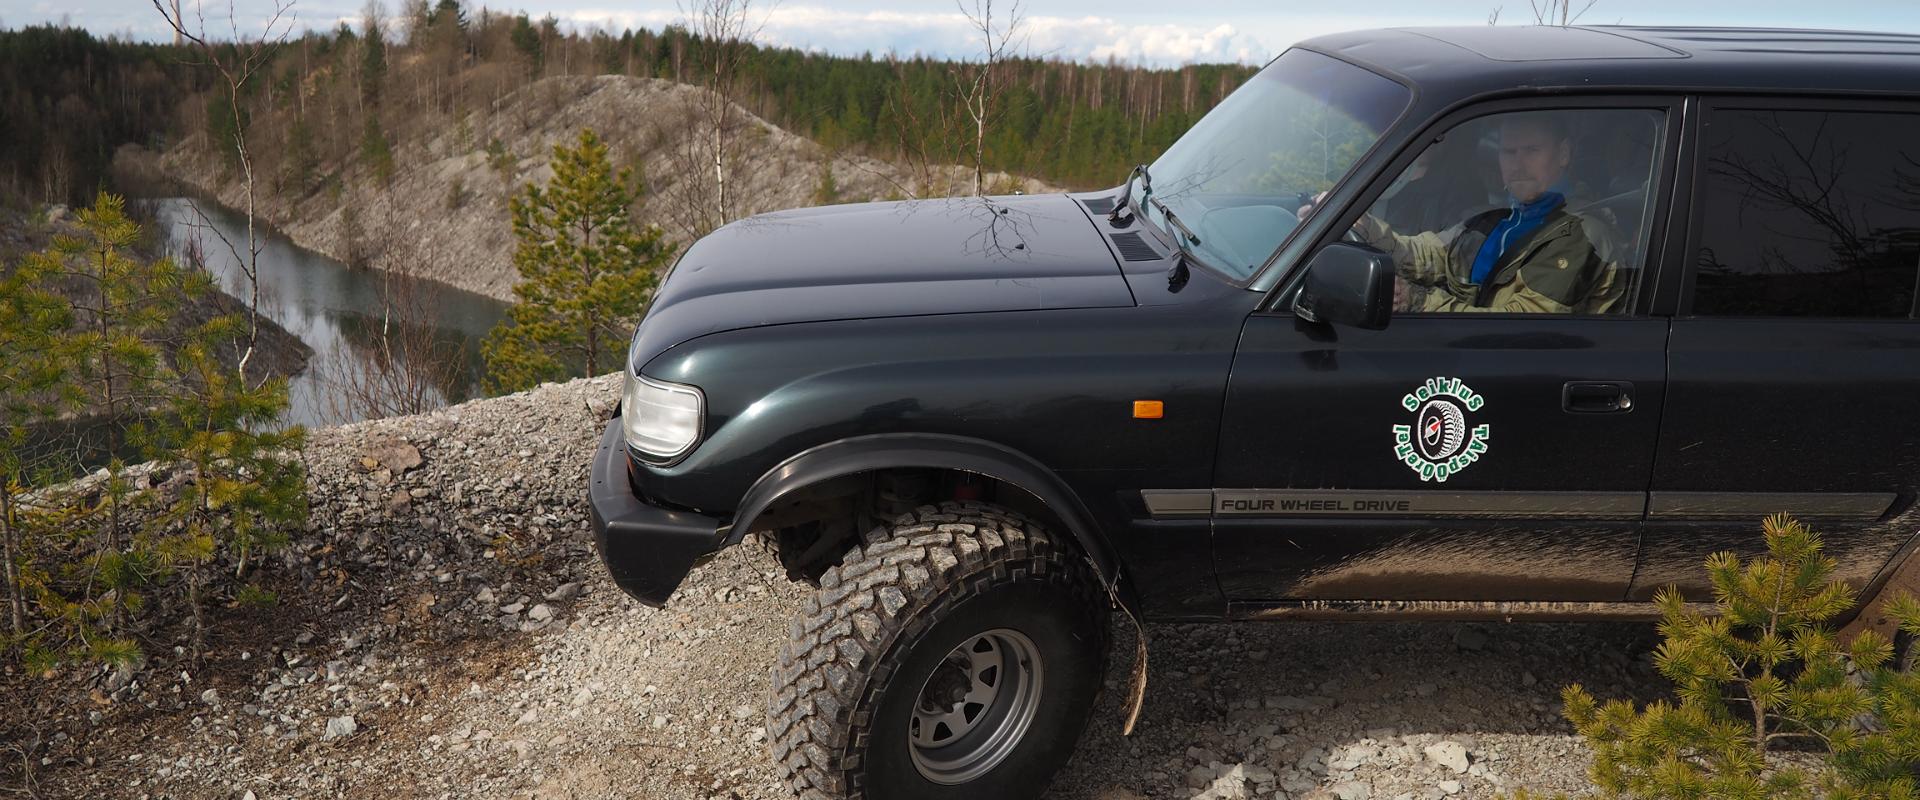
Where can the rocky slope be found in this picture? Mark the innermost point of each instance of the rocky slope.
(444, 630)
(444, 215)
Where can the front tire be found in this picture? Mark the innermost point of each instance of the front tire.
(956, 653)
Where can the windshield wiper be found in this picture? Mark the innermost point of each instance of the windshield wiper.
(1177, 274)
(1126, 192)
(1174, 219)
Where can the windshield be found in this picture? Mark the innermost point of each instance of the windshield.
(1240, 175)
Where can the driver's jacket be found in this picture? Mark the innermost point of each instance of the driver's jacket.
(1564, 266)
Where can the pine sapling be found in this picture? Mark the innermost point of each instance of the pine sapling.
(586, 271)
(1760, 668)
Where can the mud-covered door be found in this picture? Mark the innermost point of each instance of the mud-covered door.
(1496, 440)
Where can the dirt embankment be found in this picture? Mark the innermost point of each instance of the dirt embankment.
(445, 630)
(444, 214)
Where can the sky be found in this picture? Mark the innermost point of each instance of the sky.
(1163, 33)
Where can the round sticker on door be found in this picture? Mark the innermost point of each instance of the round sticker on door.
(1439, 443)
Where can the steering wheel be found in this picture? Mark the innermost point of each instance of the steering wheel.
(1349, 235)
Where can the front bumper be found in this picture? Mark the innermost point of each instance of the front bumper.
(648, 549)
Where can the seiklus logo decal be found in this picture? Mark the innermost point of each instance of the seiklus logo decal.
(1439, 444)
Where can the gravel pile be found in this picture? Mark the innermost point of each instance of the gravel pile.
(445, 630)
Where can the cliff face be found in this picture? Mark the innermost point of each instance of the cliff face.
(443, 216)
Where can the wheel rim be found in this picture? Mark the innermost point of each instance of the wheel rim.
(976, 707)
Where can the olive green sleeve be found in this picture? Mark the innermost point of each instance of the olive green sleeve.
(1517, 298)
(1549, 283)
(1420, 258)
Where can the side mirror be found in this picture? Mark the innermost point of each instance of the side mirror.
(1347, 284)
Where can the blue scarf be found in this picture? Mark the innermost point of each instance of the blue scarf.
(1524, 219)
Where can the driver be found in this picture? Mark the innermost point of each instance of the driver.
(1533, 257)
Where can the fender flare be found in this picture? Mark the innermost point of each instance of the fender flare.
(859, 454)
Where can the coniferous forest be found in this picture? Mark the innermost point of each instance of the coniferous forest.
(68, 99)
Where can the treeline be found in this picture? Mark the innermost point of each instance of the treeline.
(67, 99)
(1068, 123)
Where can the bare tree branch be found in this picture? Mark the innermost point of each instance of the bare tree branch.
(981, 90)
(727, 28)
(236, 67)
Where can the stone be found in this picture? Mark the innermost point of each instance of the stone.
(1199, 777)
(394, 453)
(540, 613)
(1226, 787)
(565, 593)
(1449, 754)
(1469, 638)
(1451, 787)
(1352, 790)
(340, 728)
(210, 697)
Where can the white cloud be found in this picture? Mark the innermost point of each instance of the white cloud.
(951, 35)
(1101, 39)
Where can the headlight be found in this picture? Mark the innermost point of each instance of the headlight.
(661, 419)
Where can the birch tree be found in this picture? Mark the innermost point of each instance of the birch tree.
(980, 90)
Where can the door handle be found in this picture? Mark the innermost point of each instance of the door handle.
(1597, 397)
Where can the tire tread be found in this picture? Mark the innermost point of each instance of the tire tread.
(888, 590)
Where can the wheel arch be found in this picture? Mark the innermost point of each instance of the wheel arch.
(854, 456)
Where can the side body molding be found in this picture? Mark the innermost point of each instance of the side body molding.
(859, 454)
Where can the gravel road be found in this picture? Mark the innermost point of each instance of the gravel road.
(446, 631)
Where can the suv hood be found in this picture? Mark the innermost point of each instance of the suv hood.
(868, 260)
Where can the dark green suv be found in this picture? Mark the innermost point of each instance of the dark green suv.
(1493, 323)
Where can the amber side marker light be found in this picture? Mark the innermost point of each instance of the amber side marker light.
(1148, 409)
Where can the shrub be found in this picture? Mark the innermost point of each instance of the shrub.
(1759, 669)
(586, 271)
(95, 333)
(502, 161)
(375, 152)
(827, 191)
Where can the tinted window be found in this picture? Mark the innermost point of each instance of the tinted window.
(1809, 214)
(1524, 212)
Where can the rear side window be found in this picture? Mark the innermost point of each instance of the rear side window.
(1808, 214)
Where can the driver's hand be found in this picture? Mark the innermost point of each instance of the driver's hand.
(1401, 293)
(1308, 207)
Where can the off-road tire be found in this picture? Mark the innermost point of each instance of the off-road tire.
(862, 648)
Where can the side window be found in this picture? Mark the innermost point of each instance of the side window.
(1808, 214)
(1524, 212)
